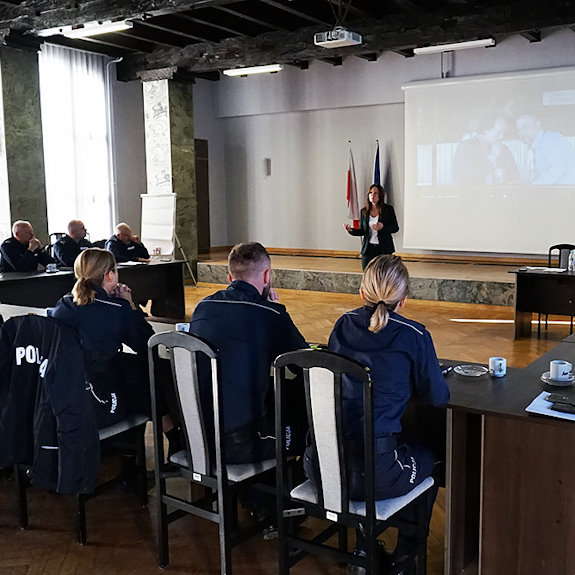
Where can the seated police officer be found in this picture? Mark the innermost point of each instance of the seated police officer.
(23, 251)
(250, 329)
(68, 248)
(127, 247)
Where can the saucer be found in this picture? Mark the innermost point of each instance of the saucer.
(557, 382)
(471, 370)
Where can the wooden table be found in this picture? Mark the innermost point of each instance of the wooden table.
(544, 292)
(510, 502)
(161, 282)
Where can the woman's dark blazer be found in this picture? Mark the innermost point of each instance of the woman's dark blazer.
(390, 226)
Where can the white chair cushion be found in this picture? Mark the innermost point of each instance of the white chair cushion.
(384, 508)
(236, 471)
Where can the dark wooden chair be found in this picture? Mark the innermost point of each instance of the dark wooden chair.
(329, 501)
(59, 348)
(558, 257)
(201, 462)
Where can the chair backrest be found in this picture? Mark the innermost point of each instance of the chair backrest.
(53, 238)
(323, 372)
(184, 350)
(562, 255)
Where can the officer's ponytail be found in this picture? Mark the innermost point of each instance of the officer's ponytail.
(90, 268)
(385, 283)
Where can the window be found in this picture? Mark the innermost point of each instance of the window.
(74, 100)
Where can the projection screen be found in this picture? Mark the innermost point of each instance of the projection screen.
(490, 163)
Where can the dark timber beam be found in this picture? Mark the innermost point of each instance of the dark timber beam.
(208, 24)
(371, 57)
(165, 28)
(392, 33)
(298, 13)
(42, 14)
(251, 19)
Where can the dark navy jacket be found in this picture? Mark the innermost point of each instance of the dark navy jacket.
(46, 416)
(126, 252)
(66, 250)
(250, 332)
(16, 257)
(103, 326)
(402, 361)
(390, 226)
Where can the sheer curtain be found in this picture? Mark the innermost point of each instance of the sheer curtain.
(74, 100)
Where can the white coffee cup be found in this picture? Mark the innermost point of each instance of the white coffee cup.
(51, 268)
(497, 366)
(182, 327)
(559, 370)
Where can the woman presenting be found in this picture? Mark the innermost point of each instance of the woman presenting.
(377, 223)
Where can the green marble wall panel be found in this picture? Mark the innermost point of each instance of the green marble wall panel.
(23, 133)
(183, 166)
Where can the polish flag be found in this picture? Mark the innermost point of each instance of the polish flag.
(352, 204)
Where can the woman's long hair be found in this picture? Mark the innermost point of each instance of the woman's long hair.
(90, 268)
(385, 283)
(379, 204)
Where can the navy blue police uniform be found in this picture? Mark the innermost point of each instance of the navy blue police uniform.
(119, 381)
(47, 420)
(66, 250)
(403, 363)
(249, 332)
(16, 257)
(126, 252)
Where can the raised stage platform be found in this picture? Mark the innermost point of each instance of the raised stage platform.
(456, 282)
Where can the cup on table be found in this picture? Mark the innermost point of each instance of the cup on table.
(559, 370)
(183, 327)
(51, 268)
(497, 366)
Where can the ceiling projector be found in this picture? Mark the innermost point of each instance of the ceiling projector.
(336, 38)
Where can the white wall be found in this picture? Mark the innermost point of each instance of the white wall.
(303, 119)
(129, 150)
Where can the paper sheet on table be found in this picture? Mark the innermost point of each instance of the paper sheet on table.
(540, 269)
(542, 407)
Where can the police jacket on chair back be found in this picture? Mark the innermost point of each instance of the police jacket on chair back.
(46, 416)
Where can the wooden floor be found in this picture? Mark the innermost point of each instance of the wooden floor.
(121, 536)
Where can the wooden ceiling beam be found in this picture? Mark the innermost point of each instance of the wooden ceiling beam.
(164, 28)
(393, 34)
(251, 19)
(294, 12)
(43, 14)
(207, 23)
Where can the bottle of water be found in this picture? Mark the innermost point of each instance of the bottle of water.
(571, 264)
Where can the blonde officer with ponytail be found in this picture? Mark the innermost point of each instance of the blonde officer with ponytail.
(102, 312)
(403, 363)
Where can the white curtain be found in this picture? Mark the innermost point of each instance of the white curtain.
(74, 100)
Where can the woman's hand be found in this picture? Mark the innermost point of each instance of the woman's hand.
(124, 292)
(377, 226)
(347, 227)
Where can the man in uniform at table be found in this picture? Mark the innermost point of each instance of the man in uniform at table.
(23, 251)
(68, 248)
(127, 247)
(250, 329)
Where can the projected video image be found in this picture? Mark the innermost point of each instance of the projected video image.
(491, 162)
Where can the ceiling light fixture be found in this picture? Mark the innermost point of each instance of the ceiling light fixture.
(484, 43)
(89, 29)
(254, 70)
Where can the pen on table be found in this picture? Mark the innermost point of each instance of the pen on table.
(446, 370)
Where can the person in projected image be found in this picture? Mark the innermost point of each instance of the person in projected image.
(483, 159)
(551, 158)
